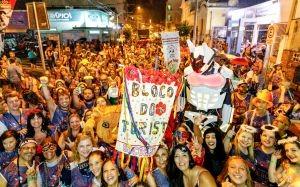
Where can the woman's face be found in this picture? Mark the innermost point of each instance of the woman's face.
(268, 138)
(110, 173)
(49, 151)
(75, 123)
(237, 171)
(245, 139)
(85, 147)
(292, 152)
(95, 163)
(36, 121)
(9, 144)
(182, 135)
(161, 157)
(101, 102)
(211, 141)
(181, 159)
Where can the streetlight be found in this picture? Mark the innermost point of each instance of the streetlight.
(139, 8)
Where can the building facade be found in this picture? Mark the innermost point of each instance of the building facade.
(173, 14)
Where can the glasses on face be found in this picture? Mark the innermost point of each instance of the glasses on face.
(49, 147)
(181, 134)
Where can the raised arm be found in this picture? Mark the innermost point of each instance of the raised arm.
(227, 140)
(47, 95)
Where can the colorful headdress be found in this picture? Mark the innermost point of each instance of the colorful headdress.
(248, 128)
(288, 140)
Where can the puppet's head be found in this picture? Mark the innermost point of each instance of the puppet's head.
(201, 55)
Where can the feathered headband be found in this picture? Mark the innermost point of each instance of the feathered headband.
(288, 140)
(270, 128)
(248, 128)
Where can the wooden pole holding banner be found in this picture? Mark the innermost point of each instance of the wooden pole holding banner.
(39, 36)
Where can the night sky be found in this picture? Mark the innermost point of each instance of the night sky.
(152, 9)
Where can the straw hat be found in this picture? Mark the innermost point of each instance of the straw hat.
(263, 95)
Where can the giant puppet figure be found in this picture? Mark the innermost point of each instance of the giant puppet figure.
(207, 86)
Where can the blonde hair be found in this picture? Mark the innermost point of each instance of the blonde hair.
(250, 148)
(80, 137)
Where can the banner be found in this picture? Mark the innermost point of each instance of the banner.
(146, 108)
(171, 50)
(6, 9)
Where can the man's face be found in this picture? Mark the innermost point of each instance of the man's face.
(27, 151)
(64, 101)
(88, 95)
(12, 54)
(13, 103)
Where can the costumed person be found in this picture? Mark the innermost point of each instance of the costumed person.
(242, 145)
(282, 94)
(253, 77)
(68, 137)
(260, 115)
(182, 170)
(241, 103)
(215, 155)
(275, 77)
(15, 118)
(283, 124)
(96, 159)
(184, 136)
(21, 171)
(263, 153)
(88, 101)
(159, 177)
(54, 166)
(111, 175)
(113, 93)
(235, 173)
(289, 169)
(208, 86)
(81, 175)
(104, 121)
(38, 127)
(58, 113)
(8, 147)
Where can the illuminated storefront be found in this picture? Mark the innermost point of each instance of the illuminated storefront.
(250, 25)
(73, 24)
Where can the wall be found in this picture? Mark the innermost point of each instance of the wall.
(219, 18)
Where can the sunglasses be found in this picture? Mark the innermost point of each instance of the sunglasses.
(49, 147)
(181, 134)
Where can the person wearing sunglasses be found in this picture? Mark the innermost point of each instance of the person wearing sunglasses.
(184, 136)
(54, 165)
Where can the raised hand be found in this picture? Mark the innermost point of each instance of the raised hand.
(70, 143)
(230, 134)
(30, 169)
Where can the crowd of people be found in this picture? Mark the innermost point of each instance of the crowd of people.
(48, 123)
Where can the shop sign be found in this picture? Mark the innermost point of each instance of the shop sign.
(271, 34)
(64, 15)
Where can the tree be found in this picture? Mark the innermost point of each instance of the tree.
(184, 29)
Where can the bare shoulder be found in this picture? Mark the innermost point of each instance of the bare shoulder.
(204, 177)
